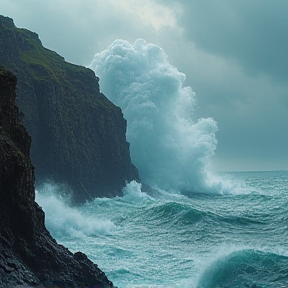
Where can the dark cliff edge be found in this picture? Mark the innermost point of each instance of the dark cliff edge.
(28, 253)
(78, 135)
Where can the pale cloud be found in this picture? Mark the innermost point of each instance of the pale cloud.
(150, 13)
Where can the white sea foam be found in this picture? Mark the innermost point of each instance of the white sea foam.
(62, 218)
(173, 241)
(133, 193)
(171, 149)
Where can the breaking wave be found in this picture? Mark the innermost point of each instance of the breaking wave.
(245, 268)
(171, 149)
(62, 219)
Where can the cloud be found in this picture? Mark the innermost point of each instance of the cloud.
(251, 32)
(236, 62)
(77, 29)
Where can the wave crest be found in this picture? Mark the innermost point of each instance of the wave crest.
(62, 219)
(246, 268)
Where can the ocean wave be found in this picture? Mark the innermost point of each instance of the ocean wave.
(64, 220)
(175, 213)
(246, 268)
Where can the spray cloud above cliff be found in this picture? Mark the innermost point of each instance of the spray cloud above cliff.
(171, 149)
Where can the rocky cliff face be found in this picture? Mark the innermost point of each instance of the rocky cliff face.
(78, 135)
(28, 254)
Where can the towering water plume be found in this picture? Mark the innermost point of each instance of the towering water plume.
(171, 149)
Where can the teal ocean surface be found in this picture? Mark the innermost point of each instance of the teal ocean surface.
(168, 239)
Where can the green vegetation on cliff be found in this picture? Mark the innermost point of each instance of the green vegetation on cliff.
(78, 135)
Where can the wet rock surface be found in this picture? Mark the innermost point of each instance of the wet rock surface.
(29, 256)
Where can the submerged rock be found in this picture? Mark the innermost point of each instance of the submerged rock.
(29, 256)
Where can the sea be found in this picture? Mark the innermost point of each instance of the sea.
(188, 227)
(168, 239)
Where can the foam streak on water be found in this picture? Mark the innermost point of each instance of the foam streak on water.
(171, 240)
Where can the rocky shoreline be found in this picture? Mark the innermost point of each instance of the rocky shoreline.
(29, 255)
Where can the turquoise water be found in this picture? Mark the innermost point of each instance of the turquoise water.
(167, 239)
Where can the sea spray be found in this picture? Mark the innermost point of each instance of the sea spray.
(62, 219)
(132, 193)
(171, 149)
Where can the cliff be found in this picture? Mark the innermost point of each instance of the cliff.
(78, 134)
(28, 253)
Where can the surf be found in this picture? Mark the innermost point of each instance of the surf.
(167, 239)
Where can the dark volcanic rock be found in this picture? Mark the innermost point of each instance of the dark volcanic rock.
(78, 134)
(28, 253)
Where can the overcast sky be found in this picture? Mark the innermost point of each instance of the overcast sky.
(234, 55)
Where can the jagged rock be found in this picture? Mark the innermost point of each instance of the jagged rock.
(28, 253)
(78, 134)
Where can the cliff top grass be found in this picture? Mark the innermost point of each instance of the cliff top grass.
(35, 53)
(45, 65)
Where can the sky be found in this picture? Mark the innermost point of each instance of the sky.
(233, 53)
